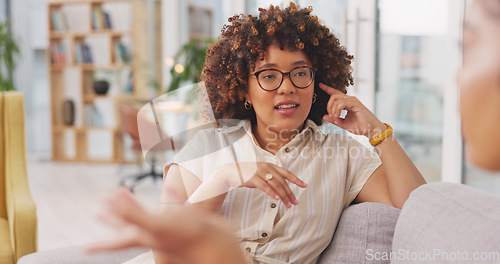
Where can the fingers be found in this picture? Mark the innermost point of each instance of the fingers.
(111, 245)
(329, 119)
(123, 206)
(338, 106)
(329, 90)
(338, 101)
(334, 107)
(277, 186)
(112, 219)
(118, 218)
(263, 186)
(359, 119)
(129, 236)
(290, 177)
(127, 216)
(281, 187)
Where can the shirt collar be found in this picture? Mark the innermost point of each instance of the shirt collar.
(245, 124)
(310, 124)
(234, 125)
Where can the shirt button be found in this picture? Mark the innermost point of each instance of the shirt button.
(248, 249)
(287, 150)
(273, 205)
(264, 234)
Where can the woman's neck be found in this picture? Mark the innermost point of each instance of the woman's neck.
(271, 140)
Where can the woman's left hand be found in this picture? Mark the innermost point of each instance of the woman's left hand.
(359, 120)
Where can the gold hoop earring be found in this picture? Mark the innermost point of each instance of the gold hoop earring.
(314, 98)
(247, 105)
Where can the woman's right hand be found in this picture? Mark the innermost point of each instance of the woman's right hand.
(265, 176)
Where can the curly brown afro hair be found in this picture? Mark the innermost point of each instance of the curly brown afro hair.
(231, 59)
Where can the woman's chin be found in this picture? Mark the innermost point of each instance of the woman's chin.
(289, 126)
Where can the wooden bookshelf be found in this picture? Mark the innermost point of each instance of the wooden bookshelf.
(86, 44)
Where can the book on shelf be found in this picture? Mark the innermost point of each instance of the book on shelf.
(61, 52)
(87, 54)
(93, 117)
(78, 53)
(59, 20)
(107, 20)
(96, 15)
(83, 53)
(57, 53)
(122, 54)
(100, 19)
(129, 87)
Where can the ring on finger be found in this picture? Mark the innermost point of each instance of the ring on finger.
(269, 177)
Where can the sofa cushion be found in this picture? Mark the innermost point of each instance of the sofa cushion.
(448, 223)
(77, 255)
(363, 235)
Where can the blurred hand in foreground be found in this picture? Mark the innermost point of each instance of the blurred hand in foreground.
(185, 233)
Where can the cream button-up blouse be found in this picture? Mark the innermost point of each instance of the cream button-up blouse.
(335, 167)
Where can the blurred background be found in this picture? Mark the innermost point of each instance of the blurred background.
(86, 66)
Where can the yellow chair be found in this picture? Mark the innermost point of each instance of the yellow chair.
(18, 222)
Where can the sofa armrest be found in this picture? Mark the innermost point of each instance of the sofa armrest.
(441, 222)
(22, 224)
(20, 207)
(363, 233)
(76, 255)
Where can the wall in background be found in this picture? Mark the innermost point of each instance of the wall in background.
(29, 25)
(3, 16)
(175, 23)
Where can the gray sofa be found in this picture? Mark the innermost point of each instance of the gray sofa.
(439, 223)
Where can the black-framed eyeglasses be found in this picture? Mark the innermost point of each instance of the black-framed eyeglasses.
(270, 79)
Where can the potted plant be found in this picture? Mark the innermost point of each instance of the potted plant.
(188, 63)
(8, 53)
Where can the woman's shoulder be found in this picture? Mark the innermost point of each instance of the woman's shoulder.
(209, 139)
(210, 132)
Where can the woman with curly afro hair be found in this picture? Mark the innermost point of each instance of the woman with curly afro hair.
(231, 61)
(277, 179)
